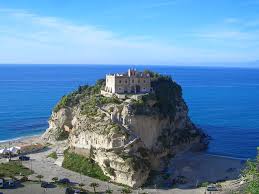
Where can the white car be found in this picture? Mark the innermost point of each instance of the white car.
(1, 183)
(212, 188)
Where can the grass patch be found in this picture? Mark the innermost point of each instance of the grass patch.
(203, 184)
(53, 155)
(81, 164)
(13, 168)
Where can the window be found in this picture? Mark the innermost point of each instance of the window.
(144, 81)
(126, 81)
(133, 81)
(120, 81)
(138, 81)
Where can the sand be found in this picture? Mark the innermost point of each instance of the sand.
(22, 141)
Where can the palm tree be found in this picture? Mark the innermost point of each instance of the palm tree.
(126, 191)
(24, 179)
(55, 179)
(81, 185)
(39, 177)
(94, 185)
(108, 191)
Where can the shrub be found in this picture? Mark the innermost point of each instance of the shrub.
(14, 168)
(82, 93)
(203, 184)
(62, 135)
(166, 92)
(81, 164)
(53, 155)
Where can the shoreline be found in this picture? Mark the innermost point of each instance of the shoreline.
(20, 138)
(37, 137)
(21, 141)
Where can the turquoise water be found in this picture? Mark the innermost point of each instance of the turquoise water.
(222, 101)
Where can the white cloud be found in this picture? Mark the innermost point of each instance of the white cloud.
(31, 38)
(232, 20)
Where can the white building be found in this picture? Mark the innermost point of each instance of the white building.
(130, 82)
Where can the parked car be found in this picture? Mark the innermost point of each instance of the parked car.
(1, 183)
(69, 191)
(24, 158)
(11, 183)
(77, 192)
(73, 191)
(212, 188)
(44, 184)
(64, 181)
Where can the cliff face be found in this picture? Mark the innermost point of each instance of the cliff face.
(128, 137)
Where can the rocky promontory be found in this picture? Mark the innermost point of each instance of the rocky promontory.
(129, 137)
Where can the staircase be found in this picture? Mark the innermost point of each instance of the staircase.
(60, 155)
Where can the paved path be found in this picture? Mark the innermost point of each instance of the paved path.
(46, 166)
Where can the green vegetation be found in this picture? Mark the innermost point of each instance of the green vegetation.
(90, 104)
(62, 135)
(13, 168)
(81, 185)
(251, 174)
(126, 191)
(40, 177)
(94, 185)
(81, 164)
(203, 184)
(109, 191)
(82, 93)
(53, 155)
(54, 179)
(166, 94)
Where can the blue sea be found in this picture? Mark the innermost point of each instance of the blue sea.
(222, 101)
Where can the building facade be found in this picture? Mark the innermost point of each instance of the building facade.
(130, 82)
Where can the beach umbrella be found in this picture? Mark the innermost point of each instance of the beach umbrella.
(4, 151)
(14, 150)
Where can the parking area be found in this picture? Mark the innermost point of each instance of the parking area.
(33, 188)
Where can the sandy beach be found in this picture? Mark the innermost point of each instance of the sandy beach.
(196, 167)
(21, 141)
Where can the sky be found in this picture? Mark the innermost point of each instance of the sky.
(149, 32)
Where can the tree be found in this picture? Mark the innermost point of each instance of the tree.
(39, 177)
(94, 185)
(109, 191)
(55, 179)
(81, 185)
(24, 179)
(126, 191)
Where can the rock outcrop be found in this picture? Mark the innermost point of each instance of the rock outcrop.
(126, 137)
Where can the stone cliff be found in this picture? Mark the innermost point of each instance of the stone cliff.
(126, 137)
